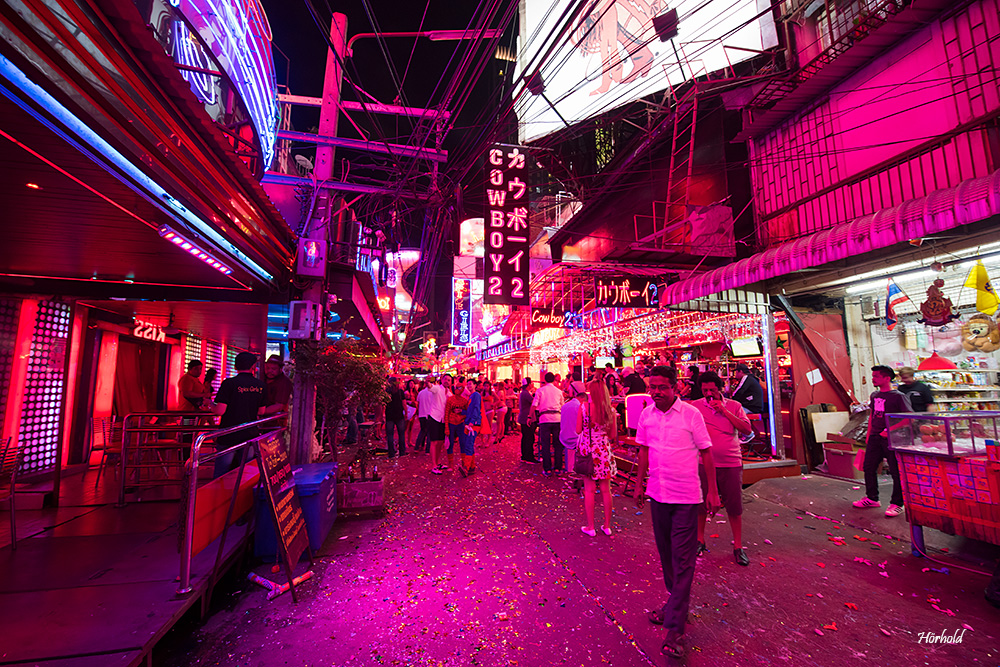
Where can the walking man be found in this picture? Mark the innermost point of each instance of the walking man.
(672, 439)
(435, 419)
(548, 403)
(885, 400)
(726, 422)
(526, 423)
(394, 413)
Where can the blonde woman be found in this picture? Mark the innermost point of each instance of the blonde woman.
(597, 426)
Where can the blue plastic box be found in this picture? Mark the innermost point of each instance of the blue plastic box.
(317, 489)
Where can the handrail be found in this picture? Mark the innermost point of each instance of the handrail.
(137, 418)
(185, 574)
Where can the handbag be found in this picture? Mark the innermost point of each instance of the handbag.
(584, 465)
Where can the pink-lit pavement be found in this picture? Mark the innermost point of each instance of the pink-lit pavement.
(493, 570)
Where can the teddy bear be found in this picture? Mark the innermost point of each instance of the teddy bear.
(981, 334)
(947, 340)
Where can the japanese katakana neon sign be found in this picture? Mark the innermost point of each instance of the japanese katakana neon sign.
(507, 240)
(626, 291)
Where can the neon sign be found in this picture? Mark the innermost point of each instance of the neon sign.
(461, 320)
(148, 331)
(506, 230)
(626, 291)
(238, 35)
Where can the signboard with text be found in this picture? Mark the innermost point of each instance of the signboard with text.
(506, 227)
(461, 312)
(276, 471)
(626, 291)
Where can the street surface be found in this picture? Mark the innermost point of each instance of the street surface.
(493, 570)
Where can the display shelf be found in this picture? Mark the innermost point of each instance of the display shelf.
(971, 387)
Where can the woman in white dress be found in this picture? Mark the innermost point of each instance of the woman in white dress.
(597, 426)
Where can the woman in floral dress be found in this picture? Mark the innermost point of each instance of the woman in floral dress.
(597, 426)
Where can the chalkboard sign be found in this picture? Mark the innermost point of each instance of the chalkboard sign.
(276, 472)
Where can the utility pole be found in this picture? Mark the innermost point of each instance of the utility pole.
(318, 228)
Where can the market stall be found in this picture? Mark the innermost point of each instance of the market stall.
(949, 464)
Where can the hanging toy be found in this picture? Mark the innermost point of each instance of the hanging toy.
(937, 310)
(947, 340)
(981, 334)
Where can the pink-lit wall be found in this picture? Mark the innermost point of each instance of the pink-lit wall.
(891, 132)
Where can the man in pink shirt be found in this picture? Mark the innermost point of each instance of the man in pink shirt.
(726, 422)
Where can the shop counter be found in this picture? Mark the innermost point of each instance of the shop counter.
(949, 465)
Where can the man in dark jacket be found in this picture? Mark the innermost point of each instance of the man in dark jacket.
(748, 391)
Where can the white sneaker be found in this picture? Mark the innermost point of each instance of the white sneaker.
(894, 510)
(867, 502)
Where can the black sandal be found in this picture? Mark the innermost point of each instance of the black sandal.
(672, 645)
(655, 616)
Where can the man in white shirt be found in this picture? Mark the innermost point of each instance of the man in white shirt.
(672, 439)
(424, 399)
(567, 424)
(548, 404)
(435, 419)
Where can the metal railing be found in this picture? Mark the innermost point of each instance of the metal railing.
(136, 424)
(196, 460)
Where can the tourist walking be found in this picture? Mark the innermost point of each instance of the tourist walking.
(548, 404)
(672, 438)
(472, 425)
(597, 429)
(454, 413)
(527, 423)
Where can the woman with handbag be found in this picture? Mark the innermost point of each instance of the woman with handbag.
(597, 425)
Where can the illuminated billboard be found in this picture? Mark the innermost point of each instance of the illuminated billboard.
(608, 53)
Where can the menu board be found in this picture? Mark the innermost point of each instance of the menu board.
(276, 472)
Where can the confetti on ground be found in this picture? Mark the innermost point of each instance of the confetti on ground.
(850, 605)
(861, 539)
(768, 542)
(884, 573)
(818, 631)
(885, 632)
(832, 626)
(820, 564)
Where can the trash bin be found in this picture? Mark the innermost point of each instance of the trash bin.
(316, 486)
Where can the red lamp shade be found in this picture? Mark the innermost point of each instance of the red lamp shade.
(936, 362)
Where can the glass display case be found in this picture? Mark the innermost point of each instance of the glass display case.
(943, 433)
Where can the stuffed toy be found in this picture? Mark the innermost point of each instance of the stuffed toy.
(947, 340)
(981, 334)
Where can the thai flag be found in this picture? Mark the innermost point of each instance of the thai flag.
(894, 296)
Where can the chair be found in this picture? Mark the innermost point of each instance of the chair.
(10, 458)
(112, 447)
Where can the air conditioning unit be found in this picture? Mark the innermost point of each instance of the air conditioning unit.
(304, 318)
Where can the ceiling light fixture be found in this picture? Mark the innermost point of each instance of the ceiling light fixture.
(192, 248)
(34, 186)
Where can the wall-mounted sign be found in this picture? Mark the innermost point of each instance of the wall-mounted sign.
(626, 291)
(461, 312)
(546, 317)
(506, 227)
(148, 331)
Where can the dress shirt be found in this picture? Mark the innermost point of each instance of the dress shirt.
(548, 402)
(674, 439)
(424, 401)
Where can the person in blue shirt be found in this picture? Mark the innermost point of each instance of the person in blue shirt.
(473, 421)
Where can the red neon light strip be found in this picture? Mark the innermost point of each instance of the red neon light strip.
(124, 282)
(19, 370)
(74, 351)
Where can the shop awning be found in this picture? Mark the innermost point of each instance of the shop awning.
(970, 201)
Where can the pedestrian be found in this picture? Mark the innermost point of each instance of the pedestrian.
(634, 384)
(693, 383)
(424, 400)
(672, 438)
(394, 418)
(568, 417)
(884, 401)
(191, 389)
(471, 426)
(240, 400)
(525, 419)
(918, 392)
(455, 407)
(597, 429)
(500, 411)
(725, 421)
(489, 412)
(279, 386)
(411, 423)
(435, 420)
(548, 405)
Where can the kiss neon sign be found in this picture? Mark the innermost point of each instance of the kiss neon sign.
(239, 36)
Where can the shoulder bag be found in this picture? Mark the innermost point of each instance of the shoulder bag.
(584, 465)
